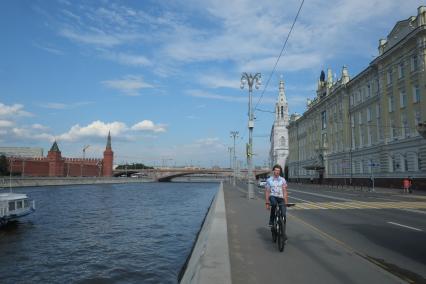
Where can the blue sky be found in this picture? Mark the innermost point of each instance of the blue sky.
(164, 76)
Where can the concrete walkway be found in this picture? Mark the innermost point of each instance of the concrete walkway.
(309, 256)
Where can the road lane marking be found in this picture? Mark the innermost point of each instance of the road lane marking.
(309, 202)
(405, 226)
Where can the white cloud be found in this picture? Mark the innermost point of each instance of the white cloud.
(98, 38)
(130, 85)
(216, 81)
(39, 127)
(95, 129)
(13, 110)
(148, 125)
(23, 133)
(128, 59)
(206, 95)
(6, 124)
(49, 49)
(55, 105)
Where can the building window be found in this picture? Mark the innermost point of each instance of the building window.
(390, 103)
(368, 136)
(368, 90)
(369, 114)
(405, 168)
(414, 63)
(393, 131)
(416, 94)
(401, 70)
(377, 110)
(395, 164)
(417, 117)
(389, 77)
(282, 111)
(324, 119)
(379, 129)
(402, 99)
(404, 125)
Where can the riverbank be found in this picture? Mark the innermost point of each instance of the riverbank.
(5, 182)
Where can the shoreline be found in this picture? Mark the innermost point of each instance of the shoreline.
(6, 183)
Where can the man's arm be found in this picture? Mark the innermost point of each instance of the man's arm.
(285, 193)
(267, 193)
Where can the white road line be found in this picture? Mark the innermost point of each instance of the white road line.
(321, 195)
(412, 228)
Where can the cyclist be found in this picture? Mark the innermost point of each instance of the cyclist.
(276, 192)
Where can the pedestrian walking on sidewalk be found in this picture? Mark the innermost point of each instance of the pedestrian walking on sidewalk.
(276, 192)
(406, 184)
(410, 185)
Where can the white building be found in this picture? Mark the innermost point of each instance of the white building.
(279, 133)
(28, 152)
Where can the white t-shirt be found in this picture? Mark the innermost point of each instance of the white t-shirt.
(275, 185)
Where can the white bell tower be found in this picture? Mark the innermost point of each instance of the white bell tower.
(279, 133)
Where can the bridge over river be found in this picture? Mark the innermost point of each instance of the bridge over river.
(167, 174)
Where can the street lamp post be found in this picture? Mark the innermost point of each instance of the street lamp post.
(234, 134)
(249, 79)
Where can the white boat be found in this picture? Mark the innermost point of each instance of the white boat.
(14, 206)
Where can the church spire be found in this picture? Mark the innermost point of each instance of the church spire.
(281, 105)
(282, 97)
(108, 146)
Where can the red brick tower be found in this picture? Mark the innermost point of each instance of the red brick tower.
(108, 158)
(56, 163)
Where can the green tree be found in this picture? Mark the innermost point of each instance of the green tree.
(4, 165)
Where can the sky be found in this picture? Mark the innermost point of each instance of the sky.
(164, 76)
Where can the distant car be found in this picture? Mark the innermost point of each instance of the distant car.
(262, 183)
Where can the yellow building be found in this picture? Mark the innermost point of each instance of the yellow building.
(369, 126)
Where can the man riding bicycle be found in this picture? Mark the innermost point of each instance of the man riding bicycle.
(276, 193)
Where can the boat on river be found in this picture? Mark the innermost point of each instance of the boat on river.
(14, 206)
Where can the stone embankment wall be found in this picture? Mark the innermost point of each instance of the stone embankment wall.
(5, 182)
(209, 261)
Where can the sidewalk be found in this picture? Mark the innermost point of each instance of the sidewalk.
(308, 257)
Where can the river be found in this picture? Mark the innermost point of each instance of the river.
(112, 233)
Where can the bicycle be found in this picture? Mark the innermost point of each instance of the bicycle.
(279, 227)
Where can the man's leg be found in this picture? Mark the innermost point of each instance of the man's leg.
(273, 204)
(282, 206)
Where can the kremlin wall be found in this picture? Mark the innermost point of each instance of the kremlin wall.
(54, 165)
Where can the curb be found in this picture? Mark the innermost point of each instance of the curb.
(209, 260)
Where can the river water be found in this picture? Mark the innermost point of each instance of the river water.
(124, 233)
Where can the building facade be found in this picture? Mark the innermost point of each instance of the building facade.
(368, 127)
(54, 165)
(279, 133)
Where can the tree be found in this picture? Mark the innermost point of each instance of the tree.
(4, 165)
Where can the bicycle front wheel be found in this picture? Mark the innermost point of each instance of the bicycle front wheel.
(274, 232)
(280, 235)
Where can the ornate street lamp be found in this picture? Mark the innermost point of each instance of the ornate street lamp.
(234, 134)
(249, 79)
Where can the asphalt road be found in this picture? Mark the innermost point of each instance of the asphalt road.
(334, 237)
